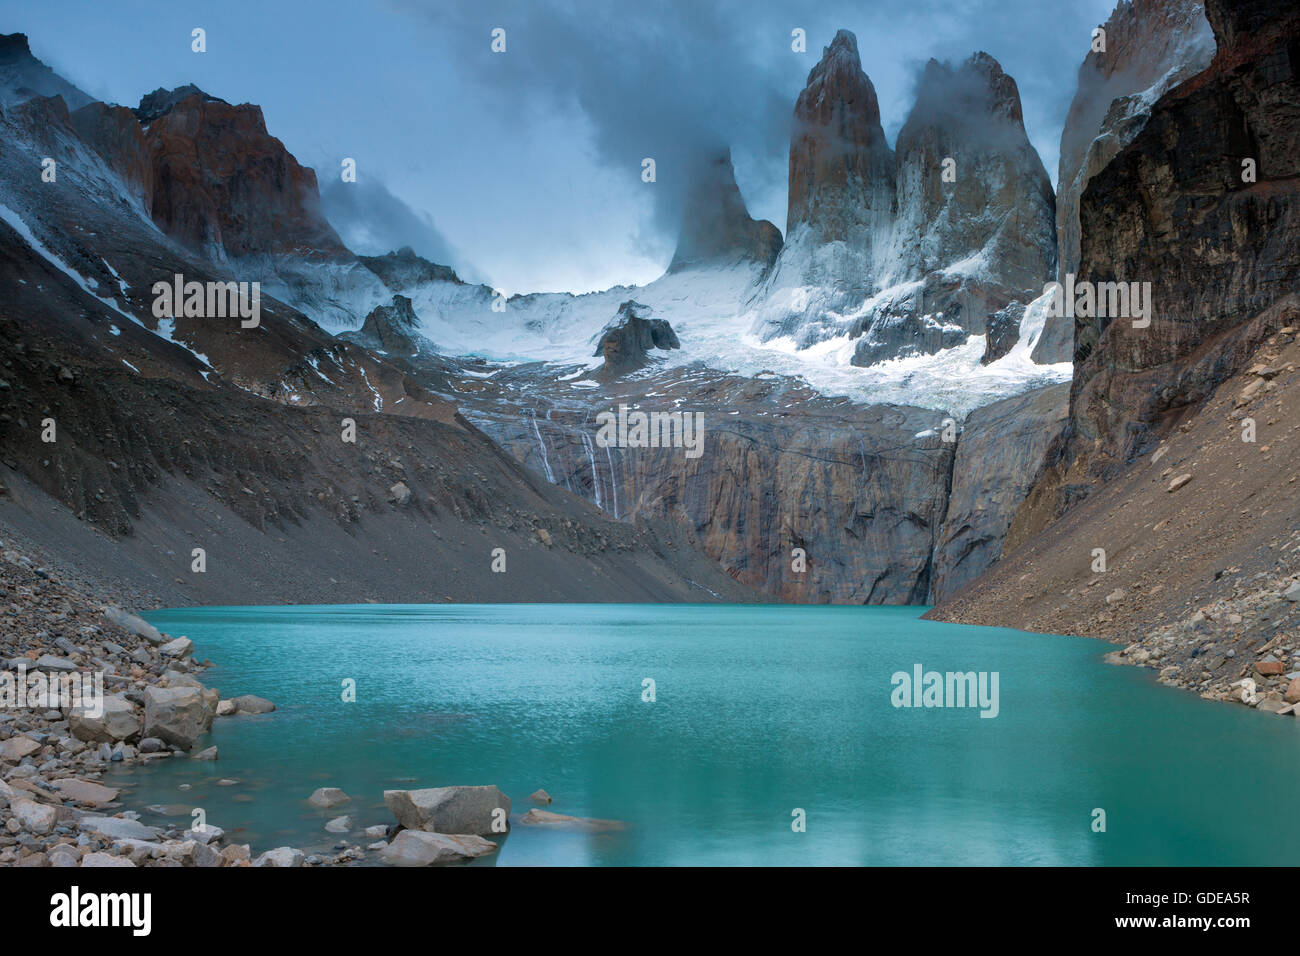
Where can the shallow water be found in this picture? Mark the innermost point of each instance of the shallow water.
(759, 711)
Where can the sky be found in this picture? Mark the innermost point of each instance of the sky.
(523, 168)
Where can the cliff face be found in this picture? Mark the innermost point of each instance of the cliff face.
(1151, 47)
(222, 183)
(1176, 208)
(1000, 455)
(717, 230)
(862, 491)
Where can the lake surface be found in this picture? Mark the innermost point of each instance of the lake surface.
(759, 711)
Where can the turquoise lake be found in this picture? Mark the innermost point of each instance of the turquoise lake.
(758, 711)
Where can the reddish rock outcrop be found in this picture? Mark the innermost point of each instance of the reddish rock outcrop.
(222, 183)
(841, 167)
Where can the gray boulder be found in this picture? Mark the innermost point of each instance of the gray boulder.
(450, 809)
(178, 715)
(118, 721)
(418, 848)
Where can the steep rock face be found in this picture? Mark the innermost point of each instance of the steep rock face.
(390, 328)
(404, 269)
(626, 341)
(841, 200)
(975, 215)
(23, 77)
(861, 491)
(1000, 454)
(115, 134)
(1151, 47)
(1173, 209)
(717, 229)
(224, 184)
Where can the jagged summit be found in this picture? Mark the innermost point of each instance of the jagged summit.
(405, 268)
(717, 229)
(161, 101)
(838, 152)
(23, 76)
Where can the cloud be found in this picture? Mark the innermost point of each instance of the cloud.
(372, 221)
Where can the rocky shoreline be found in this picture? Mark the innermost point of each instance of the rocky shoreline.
(55, 809)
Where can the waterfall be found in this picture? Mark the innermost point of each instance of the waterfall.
(595, 475)
(613, 481)
(546, 462)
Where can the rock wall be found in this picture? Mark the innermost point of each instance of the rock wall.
(1203, 204)
(1000, 455)
(1151, 47)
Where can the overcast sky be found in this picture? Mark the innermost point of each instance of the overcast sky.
(524, 167)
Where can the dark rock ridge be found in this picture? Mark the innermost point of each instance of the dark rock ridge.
(1151, 47)
(390, 328)
(23, 77)
(627, 340)
(717, 229)
(1002, 332)
(1172, 209)
(404, 269)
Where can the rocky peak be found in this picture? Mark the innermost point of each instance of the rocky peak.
(405, 269)
(717, 229)
(23, 76)
(392, 328)
(999, 203)
(841, 167)
(160, 101)
(974, 230)
(626, 341)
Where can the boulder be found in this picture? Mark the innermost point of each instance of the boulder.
(208, 753)
(249, 704)
(339, 825)
(285, 856)
(1292, 695)
(16, 748)
(118, 828)
(177, 715)
(136, 625)
(450, 809)
(35, 817)
(418, 848)
(327, 797)
(181, 647)
(85, 792)
(539, 796)
(562, 821)
(105, 859)
(118, 720)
